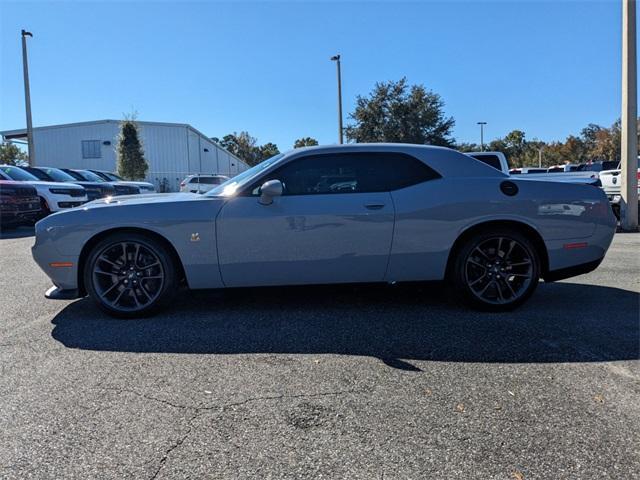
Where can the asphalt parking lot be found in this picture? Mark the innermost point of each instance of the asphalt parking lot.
(349, 382)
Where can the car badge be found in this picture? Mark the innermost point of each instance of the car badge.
(195, 237)
(614, 180)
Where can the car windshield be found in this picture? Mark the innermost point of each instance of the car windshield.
(232, 185)
(18, 174)
(38, 173)
(110, 176)
(89, 176)
(58, 175)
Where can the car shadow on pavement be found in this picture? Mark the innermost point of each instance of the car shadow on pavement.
(19, 232)
(563, 322)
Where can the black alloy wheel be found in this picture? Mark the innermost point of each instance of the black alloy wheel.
(130, 275)
(496, 271)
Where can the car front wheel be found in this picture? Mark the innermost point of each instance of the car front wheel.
(497, 270)
(130, 275)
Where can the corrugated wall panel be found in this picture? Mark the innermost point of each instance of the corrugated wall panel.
(62, 146)
(173, 151)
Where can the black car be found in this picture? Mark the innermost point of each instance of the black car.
(87, 176)
(19, 204)
(94, 190)
(145, 187)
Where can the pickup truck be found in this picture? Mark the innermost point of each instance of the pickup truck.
(611, 185)
(499, 161)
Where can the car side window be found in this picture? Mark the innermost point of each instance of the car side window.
(349, 173)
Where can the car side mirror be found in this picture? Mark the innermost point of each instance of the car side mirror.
(268, 190)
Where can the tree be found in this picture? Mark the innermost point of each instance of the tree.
(396, 112)
(242, 145)
(305, 142)
(131, 163)
(10, 154)
(245, 147)
(467, 147)
(574, 150)
(589, 135)
(265, 151)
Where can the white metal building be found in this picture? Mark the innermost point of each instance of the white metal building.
(172, 150)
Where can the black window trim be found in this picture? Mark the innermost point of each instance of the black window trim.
(247, 191)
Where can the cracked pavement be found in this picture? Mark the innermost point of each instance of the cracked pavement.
(323, 382)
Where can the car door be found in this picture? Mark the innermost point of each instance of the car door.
(333, 224)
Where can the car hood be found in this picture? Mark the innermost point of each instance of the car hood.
(92, 184)
(135, 184)
(150, 198)
(42, 183)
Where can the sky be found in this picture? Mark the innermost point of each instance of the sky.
(547, 68)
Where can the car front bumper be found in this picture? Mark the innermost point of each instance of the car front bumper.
(61, 269)
(57, 293)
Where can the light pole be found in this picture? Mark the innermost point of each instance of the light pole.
(482, 124)
(27, 97)
(629, 127)
(336, 58)
(540, 157)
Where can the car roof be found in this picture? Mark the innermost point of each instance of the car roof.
(444, 160)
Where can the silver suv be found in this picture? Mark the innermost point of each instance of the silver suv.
(201, 183)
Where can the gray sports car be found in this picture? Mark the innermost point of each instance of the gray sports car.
(338, 214)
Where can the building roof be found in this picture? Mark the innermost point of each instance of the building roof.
(21, 134)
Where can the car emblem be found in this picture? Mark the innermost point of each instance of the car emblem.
(614, 180)
(195, 237)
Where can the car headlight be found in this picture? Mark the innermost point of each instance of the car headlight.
(61, 191)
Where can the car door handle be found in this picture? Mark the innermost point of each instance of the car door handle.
(374, 206)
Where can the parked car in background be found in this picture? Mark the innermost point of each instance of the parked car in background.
(145, 187)
(598, 166)
(409, 213)
(54, 196)
(94, 190)
(201, 183)
(499, 161)
(496, 160)
(530, 170)
(569, 167)
(19, 204)
(121, 188)
(611, 185)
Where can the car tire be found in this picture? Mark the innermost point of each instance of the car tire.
(496, 270)
(130, 275)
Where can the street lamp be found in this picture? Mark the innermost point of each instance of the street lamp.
(482, 124)
(336, 58)
(27, 96)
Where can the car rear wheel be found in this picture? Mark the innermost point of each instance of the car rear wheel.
(130, 275)
(497, 270)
